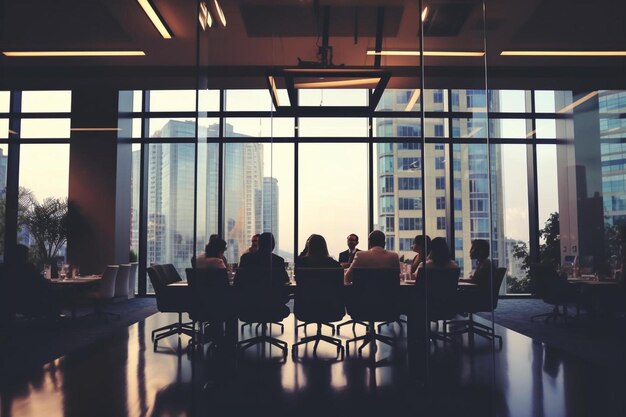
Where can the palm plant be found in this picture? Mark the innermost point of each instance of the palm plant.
(47, 224)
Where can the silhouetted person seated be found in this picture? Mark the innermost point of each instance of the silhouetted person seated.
(213, 257)
(375, 257)
(481, 276)
(421, 247)
(317, 255)
(304, 251)
(264, 258)
(439, 257)
(254, 244)
(26, 289)
(203, 254)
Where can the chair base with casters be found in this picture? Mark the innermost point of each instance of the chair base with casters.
(258, 326)
(188, 326)
(471, 327)
(262, 339)
(370, 337)
(332, 326)
(177, 328)
(435, 335)
(318, 337)
(353, 323)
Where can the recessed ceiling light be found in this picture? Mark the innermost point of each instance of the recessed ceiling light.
(71, 53)
(219, 12)
(391, 52)
(424, 13)
(155, 18)
(563, 53)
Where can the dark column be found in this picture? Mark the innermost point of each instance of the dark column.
(99, 183)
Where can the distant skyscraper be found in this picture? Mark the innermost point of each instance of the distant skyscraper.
(171, 189)
(400, 180)
(270, 206)
(3, 173)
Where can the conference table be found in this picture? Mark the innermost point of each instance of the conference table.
(71, 286)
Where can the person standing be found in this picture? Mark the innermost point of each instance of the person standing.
(346, 257)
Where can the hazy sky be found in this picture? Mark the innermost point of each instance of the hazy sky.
(333, 177)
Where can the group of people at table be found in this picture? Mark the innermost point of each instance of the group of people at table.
(430, 254)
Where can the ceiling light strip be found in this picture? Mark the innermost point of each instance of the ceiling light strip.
(391, 52)
(338, 83)
(71, 53)
(155, 18)
(563, 53)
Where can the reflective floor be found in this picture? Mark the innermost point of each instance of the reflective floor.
(124, 376)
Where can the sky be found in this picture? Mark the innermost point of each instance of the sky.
(332, 177)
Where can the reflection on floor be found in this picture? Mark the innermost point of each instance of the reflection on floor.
(124, 376)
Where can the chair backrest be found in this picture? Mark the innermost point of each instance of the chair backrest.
(132, 278)
(210, 294)
(155, 274)
(170, 274)
(498, 277)
(374, 295)
(107, 283)
(319, 295)
(260, 292)
(121, 281)
(436, 290)
(489, 301)
(547, 283)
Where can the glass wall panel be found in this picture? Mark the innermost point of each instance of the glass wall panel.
(512, 218)
(399, 100)
(4, 149)
(43, 182)
(549, 195)
(135, 184)
(207, 189)
(248, 100)
(173, 100)
(45, 128)
(333, 97)
(335, 127)
(4, 128)
(170, 204)
(5, 97)
(259, 127)
(174, 127)
(333, 179)
(46, 101)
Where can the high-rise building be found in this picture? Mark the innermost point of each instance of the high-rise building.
(402, 175)
(171, 188)
(270, 206)
(3, 173)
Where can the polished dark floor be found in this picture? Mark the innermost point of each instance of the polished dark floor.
(123, 376)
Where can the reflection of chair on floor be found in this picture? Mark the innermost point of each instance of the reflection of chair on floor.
(319, 299)
(479, 301)
(170, 299)
(373, 297)
(553, 289)
(261, 298)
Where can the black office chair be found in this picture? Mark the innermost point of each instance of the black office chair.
(319, 299)
(261, 298)
(211, 303)
(479, 300)
(170, 299)
(552, 288)
(435, 291)
(373, 297)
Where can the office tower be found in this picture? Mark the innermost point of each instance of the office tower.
(171, 189)
(3, 173)
(400, 169)
(270, 206)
